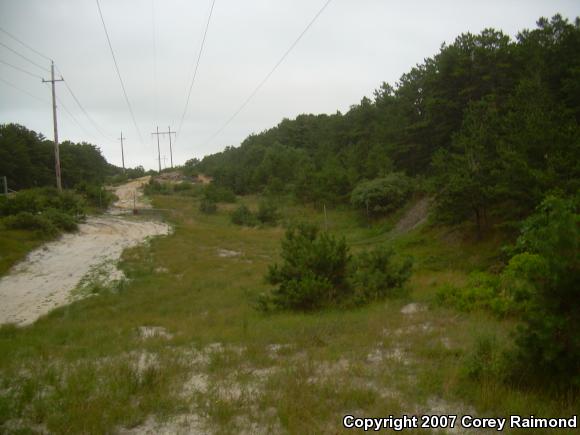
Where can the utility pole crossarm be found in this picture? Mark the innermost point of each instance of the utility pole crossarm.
(54, 120)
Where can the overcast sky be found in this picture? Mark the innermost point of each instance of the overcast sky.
(349, 51)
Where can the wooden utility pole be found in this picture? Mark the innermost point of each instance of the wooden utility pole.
(122, 152)
(169, 132)
(158, 148)
(56, 151)
(164, 162)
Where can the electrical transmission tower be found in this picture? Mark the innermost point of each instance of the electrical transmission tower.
(56, 151)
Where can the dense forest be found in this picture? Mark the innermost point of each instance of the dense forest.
(489, 125)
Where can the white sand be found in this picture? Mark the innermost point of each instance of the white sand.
(44, 280)
(130, 194)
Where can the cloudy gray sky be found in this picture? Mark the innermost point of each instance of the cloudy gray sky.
(345, 55)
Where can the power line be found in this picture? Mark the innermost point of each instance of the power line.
(97, 127)
(119, 73)
(24, 57)
(156, 86)
(20, 69)
(61, 104)
(195, 70)
(25, 44)
(23, 91)
(69, 113)
(265, 79)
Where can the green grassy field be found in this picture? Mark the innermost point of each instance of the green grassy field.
(179, 344)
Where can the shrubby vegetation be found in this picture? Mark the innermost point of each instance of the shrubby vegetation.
(547, 265)
(318, 271)
(207, 206)
(540, 287)
(45, 211)
(242, 215)
(381, 195)
(218, 193)
(267, 214)
(96, 195)
(378, 274)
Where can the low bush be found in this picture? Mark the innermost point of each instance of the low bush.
(217, 193)
(49, 223)
(313, 273)
(378, 274)
(483, 292)
(34, 222)
(382, 195)
(317, 271)
(267, 212)
(37, 200)
(243, 216)
(96, 195)
(62, 221)
(184, 186)
(208, 207)
(486, 360)
(156, 188)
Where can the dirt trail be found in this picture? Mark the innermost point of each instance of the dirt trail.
(131, 194)
(414, 217)
(44, 280)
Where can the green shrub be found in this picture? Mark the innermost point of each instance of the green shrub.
(243, 216)
(217, 193)
(96, 195)
(547, 260)
(62, 221)
(487, 360)
(382, 195)
(313, 273)
(184, 186)
(24, 220)
(156, 188)
(36, 200)
(483, 292)
(206, 206)
(267, 212)
(378, 274)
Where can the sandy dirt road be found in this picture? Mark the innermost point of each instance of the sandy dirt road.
(131, 194)
(44, 280)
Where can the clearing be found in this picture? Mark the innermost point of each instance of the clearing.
(180, 349)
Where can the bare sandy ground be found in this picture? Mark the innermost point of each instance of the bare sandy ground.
(44, 280)
(131, 194)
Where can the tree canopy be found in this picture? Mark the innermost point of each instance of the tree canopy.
(492, 121)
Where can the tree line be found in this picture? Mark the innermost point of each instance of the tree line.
(27, 160)
(490, 125)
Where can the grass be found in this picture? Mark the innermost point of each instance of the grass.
(224, 366)
(15, 245)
